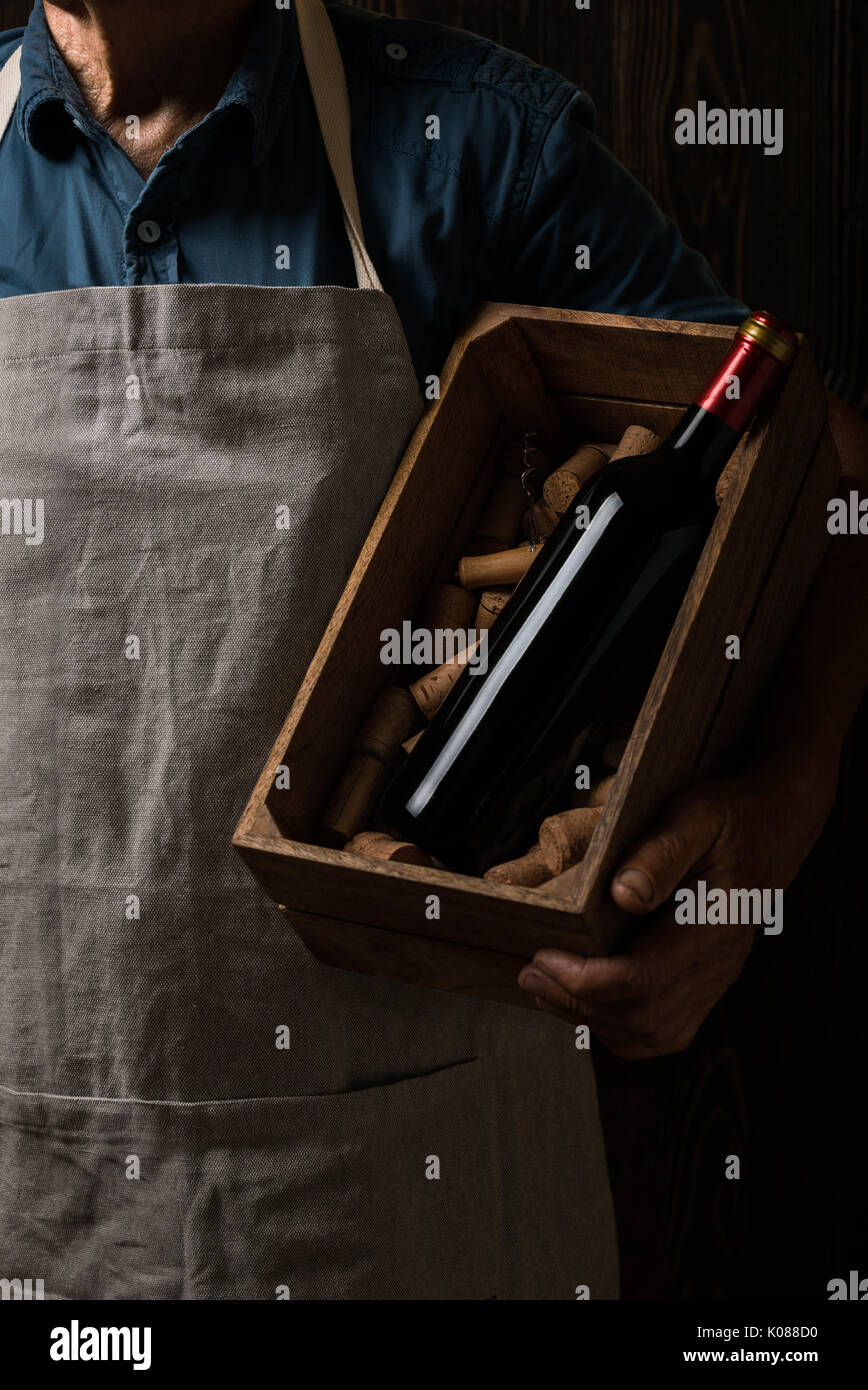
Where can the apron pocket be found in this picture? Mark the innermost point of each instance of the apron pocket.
(387, 1192)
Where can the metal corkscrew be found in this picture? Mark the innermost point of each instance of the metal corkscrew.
(528, 469)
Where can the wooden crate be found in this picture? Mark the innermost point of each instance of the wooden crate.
(565, 376)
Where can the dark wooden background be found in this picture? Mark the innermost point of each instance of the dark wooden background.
(777, 1072)
(788, 232)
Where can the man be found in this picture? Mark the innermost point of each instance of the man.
(171, 154)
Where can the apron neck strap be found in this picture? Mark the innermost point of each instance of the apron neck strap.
(328, 84)
(10, 85)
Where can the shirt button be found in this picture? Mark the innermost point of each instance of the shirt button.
(396, 51)
(149, 231)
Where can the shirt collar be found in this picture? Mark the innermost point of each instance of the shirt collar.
(51, 102)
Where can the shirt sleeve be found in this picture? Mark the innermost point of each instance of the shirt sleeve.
(637, 263)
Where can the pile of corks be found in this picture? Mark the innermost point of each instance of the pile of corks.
(489, 570)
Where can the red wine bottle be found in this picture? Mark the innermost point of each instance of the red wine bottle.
(588, 621)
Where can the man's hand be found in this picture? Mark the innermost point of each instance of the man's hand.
(650, 1000)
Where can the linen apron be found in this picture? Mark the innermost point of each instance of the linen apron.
(191, 1106)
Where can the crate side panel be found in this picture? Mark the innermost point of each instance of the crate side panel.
(397, 560)
(799, 556)
(465, 527)
(515, 382)
(605, 418)
(647, 360)
(687, 686)
(413, 960)
(397, 897)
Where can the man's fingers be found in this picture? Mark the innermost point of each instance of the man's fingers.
(637, 1029)
(653, 870)
(598, 1016)
(596, 979)
(660, 954)
(624, 1017)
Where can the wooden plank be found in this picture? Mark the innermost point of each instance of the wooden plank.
(466, 525)
(693, 670)
(514, 380)
(384, 588)
(797, 560)
(607, 417)
(601, 359)
(308, 878)
(413, 960)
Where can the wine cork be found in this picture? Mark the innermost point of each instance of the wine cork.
(500, 522)
(540, 521)
(491, 605)
(561, 487)
(598, 793)
(373, 844)
(634, 441)
(447, 606)
(410, 743)
(595, 795)
(503, 567)
(430, 691)
(564, 838)
(354, 797)
(391, 718)
(726, 480)
(526, 872)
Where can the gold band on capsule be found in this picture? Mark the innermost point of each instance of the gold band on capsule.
(768, 339)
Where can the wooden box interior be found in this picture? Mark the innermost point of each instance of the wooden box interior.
(565, 376)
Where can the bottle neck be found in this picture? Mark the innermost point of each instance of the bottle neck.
(707, 442)
(712, 426)
(743, 381)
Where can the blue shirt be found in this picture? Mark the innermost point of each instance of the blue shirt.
(492, 209)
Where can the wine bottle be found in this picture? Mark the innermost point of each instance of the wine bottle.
(588, 621)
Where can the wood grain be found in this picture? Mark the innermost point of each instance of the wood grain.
(314, 879)
(798, 556)
(785, 232)
(677, 358)
(414, 960)
(593, 417)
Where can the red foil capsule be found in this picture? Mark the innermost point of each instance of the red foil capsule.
(762, 351)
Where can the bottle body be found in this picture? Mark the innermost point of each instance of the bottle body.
(584, 628)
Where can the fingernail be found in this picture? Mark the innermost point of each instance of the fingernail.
(532, 981)
(637, 882)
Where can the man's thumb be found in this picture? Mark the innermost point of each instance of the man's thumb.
(657, 864)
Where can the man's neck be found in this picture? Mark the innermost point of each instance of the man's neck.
(166, 62)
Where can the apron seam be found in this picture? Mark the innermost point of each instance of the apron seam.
(229, 353)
